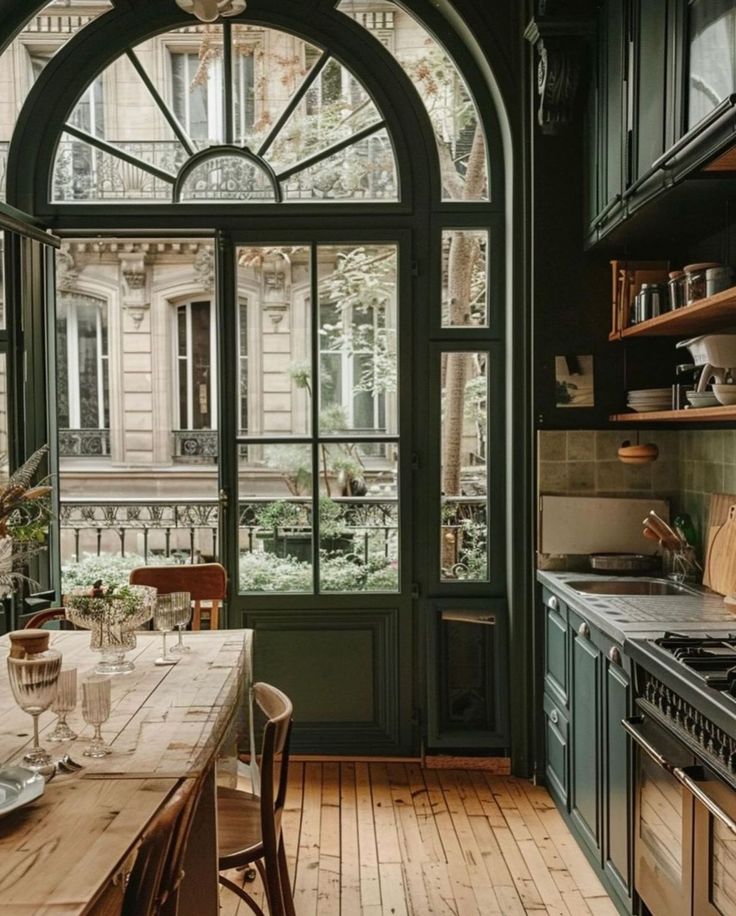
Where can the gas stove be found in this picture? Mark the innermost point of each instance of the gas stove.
(688, 683)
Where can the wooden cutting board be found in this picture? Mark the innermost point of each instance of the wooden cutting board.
(722, 559)
(720, 503)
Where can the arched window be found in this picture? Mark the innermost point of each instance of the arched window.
(341, 346)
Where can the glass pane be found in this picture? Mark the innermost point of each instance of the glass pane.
(89, 369)
(243, 366)
(202, 408)
(358, 300)
(712, 61)
(142, 489)
(268, 68)
(275, 507)
(23, 60)
(276, 282)
(4, 463)
(335, 108)
(365, 171)
(464, 278)
(461, 143)
(2, 281)
(228, 179)
(464, 456)
(82, 172)
(359, 517)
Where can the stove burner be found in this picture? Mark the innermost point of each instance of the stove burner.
(710, 658)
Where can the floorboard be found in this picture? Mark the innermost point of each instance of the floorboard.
(393, 839)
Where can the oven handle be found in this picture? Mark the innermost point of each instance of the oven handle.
(685, 776)
(630, 726)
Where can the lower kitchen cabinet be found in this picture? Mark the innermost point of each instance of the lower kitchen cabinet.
(587, 754)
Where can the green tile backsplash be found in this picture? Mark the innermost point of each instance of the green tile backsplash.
(691, 465)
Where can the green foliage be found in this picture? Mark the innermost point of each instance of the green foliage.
(262, 572)
(112, 569)
(281, 514)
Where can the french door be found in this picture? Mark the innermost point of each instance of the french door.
(315, 487)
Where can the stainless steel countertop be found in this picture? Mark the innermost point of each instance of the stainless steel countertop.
(642, 616)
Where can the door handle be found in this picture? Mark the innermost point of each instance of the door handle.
(630, 726)
(223, 499)
(687, 777)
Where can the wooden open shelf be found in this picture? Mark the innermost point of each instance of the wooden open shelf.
(691, 415)
(706, 315)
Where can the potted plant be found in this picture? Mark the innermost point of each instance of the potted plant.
(284, 529)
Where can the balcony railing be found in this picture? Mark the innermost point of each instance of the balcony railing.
(84, 443)
(195, 446)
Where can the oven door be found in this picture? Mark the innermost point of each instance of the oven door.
(663, 820)
(714, 865)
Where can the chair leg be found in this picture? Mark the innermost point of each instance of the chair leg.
(215, 616)
(231, 886)
(286, 892)
(269, 873)
(197, 616)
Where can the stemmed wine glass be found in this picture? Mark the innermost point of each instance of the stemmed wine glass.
(165, 618)
(183, 603)
(33, 682)
(64, 703)
(96, 710)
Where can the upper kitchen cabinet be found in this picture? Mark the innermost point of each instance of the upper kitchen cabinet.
(660, 109)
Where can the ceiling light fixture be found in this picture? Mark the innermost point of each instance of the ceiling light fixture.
(210, 10)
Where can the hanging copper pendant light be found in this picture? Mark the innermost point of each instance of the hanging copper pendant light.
(210, 10)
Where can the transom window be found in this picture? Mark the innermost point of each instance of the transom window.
(282, 120)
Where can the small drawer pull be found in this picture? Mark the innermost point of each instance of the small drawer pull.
(553, 604)
(584, 631)
(614, 655)
(554, 717)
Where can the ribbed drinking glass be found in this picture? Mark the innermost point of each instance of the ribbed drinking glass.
(64, 703)
(183, 603)
(96, 710)
(165, 617)
(33, 682)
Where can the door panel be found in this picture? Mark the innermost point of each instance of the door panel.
(586, 769)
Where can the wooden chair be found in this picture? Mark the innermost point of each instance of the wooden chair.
(205, 582)
(153, 885)
(53, 613)
(249, 827)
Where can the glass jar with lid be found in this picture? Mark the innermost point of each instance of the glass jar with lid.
(695, 280)
(676, 289)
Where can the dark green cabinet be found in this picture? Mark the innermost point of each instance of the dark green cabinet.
(617, 765)
(585, 715)
(587, 763)
(642, 135)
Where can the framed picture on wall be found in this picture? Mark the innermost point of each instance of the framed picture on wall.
(574, 383)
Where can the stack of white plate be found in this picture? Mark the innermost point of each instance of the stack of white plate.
(642, 400)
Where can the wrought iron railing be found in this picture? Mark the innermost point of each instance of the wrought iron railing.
(195, 446)
(84, 443)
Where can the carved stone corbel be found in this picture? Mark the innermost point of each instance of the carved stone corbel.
(559, 45)
(136, 300)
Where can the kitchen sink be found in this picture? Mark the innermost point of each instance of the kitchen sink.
(629, 587)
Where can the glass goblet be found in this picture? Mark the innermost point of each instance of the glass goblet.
(64, 703)
(33, 682)
(96, 710)
(183, 603)
(164, 620)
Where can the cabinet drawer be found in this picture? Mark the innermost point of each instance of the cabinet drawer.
(556, 650)
(557, 762)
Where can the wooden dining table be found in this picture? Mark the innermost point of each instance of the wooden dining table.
(68, 852)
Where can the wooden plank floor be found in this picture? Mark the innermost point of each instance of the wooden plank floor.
(373, 839)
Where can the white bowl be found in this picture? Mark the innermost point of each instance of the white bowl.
(726, 394)
(701, 398)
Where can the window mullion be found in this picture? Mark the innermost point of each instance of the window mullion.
(316, 442)
(72, 342)
(100, 378)
(190, 369)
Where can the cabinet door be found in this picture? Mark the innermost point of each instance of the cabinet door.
(585, 705)
(556, 650)
(617, 776)
(650, 31)
(614, 120)
(557, 762)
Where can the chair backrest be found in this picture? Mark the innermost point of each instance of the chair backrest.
(205, 582)
(274, 762)
(157, 868)
(53, 613)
